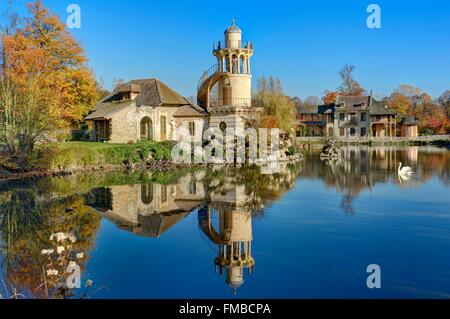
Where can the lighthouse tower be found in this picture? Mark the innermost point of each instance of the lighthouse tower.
(225, 90)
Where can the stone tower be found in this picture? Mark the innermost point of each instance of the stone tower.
(230, 102)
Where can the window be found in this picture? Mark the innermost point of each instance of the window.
(147, 194)
(342, 116)
(342, 131)
(163, 194)
(192, 128)
(163, 128)
(363, 117)
(352, 131)
(193, 187)
(363, 131)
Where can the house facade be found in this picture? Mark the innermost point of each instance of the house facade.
(144, 110)
(351, 117)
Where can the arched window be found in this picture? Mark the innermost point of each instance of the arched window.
(223, 126)
(147, 194)
(235, 61)
(146, 129)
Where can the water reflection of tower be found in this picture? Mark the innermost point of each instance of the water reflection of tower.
(234, 236)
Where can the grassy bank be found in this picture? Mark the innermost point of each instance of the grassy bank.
(79, 155)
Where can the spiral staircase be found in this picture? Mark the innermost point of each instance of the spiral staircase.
(206, 82)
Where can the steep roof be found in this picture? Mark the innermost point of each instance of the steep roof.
(189, 111)
(380, 108)
(155, 225)
(315, 109)
(351, 102)
(409, 120)
(154, 93)
(107, 110)
(151, 92)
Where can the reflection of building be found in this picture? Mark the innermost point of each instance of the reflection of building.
(148, 209)
(360, 168)
(234, 235)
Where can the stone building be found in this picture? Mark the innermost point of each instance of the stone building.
(351, 117)
(144, 110)
(409, 126)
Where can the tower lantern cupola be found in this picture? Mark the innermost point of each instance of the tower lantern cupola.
(233, 36)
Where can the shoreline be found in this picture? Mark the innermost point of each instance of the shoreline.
(157, 166)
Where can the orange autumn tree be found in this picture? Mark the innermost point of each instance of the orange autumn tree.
(45, 84)
(73, 82)
(329, 97)
(399, 103)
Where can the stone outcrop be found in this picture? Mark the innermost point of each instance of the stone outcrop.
(330, 150)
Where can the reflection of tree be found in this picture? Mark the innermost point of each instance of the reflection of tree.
(25, 228)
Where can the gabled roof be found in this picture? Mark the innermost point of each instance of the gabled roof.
(155, 225)
(380, 108)
(107, 110)
(315, 109)
(351, 102)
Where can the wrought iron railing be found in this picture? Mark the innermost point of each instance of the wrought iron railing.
(208, 73)
(219, 45)
(235, 102)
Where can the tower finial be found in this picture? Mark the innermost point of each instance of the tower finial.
(232, 21)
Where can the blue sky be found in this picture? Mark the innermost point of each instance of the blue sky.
(304, 43)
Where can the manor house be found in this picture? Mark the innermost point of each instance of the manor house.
(353, 117)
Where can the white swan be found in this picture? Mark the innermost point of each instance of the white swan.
(405, 170)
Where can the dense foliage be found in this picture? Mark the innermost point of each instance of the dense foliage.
(45, 84)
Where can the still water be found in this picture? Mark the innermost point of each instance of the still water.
(306, 230)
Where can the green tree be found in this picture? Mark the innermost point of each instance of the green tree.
(278, 109)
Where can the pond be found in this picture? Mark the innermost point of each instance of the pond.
(306, 230)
